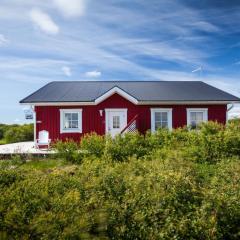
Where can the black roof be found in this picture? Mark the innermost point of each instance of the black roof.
(88, 91)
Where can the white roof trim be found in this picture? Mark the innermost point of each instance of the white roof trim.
(137, 102)
(185, 102)
(118, 91)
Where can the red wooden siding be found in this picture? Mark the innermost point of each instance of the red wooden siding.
(49, 116)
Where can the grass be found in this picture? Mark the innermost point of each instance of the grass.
(39, 164)
(2, 141)
(43, 164)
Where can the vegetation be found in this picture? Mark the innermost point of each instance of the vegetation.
(169, 185)
(16, 133)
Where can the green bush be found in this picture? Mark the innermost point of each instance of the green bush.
(206, 144)
(93, 144)
(69, 151)
(176, 184)
(210, 143)
(1, 133)
(121, 147)
(138, 199)
(19, 133)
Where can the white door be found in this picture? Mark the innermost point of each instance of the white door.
(116, 121)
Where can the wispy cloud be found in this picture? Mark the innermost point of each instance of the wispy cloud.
(205, 26)
(71, 8)
(43, 21)
(3, 39)
(137, 39)
(67, 71)
(93, 74)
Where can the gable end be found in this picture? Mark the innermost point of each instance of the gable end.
(120, 92)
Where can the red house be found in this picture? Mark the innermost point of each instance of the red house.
(71, 109)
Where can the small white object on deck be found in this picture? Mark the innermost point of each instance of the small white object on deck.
(43, 139)
(22, 148)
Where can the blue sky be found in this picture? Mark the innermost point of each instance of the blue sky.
(43, 41)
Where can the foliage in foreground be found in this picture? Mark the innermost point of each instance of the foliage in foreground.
(138, 199)
(169, 185)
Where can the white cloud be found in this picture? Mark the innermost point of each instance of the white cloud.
(3, 40)
(17, 120)
(205, 26)
(71, 8)
(44, 21)
(94, 74)
(67, 71)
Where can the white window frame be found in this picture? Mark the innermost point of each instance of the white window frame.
(202, 110)
(76, 130)
(169, 116)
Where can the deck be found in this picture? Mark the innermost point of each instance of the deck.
(22, 148)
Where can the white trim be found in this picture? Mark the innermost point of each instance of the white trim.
(186, 102)
(136, 102)
(154, 110)
(59, 103)
(203, 110)
(227, 112)
(77, 130)
(118, 91)
(108, 110)
(35, 125)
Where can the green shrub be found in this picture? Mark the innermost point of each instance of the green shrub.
(93, 144)
(209, 143)
(19, 133)
(1, 133)
(3, 128)
(123, 147)
(69, 151)
(176, 184)
(9, 177)
(138, 199)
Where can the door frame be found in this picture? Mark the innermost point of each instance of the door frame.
(108, 110)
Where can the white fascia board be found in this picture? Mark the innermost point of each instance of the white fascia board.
(185, 102)
(134, 101)
(59, 104)
(118, 91)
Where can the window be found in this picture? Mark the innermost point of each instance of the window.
(116, 121)
(71, 120)
(161, 118)
(196, 116)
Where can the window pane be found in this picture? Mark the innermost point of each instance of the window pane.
(116, 121)
(164, 124)
(199, 116)
(193, 116)
(70, 121)
(66, 124)
(164, 116)
(74, 124)
(67, 116)
(158, 116)
(196, 118)
(74, 116)
(161, 120)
